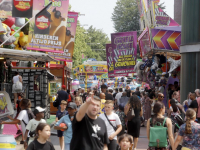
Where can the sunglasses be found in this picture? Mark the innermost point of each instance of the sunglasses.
(161, 96)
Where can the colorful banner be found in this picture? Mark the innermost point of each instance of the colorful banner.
(48, 31)
(162, 19)
(144, 42)
(95, 69)
(109, 56)
(22, 8)
(124, 47)
(166, 39)
(5, 8)
(104, 76)
(69, 40)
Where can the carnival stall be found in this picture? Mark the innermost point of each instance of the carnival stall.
(159, 45)
(86, 72)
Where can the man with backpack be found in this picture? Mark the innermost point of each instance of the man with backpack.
(32, 125)
(61, 95)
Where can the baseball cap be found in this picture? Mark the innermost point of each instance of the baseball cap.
(38, 109)
(72, 105)
(63, 86)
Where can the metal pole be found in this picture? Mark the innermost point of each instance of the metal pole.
(190, 54)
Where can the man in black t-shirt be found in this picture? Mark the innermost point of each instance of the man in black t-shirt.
(104, 90)
(89, 131)
(194, 104)
(62, 94)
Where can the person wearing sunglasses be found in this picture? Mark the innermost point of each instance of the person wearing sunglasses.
(160, 97)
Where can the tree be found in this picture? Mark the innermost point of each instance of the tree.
(97, 41)
(87, 42)
(161, 5)
(126, 16)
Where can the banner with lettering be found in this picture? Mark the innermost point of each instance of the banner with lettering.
(124, 47)
(163, 19)
(144, 42)
(69, 40)
(109, 56)
(47, 32)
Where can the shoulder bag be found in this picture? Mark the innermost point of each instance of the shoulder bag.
(115, 128)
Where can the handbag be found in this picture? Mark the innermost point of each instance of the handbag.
(115, 128)
(158, 135)
(130, 114)
(18, 86)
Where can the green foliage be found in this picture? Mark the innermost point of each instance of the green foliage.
(161, 5)
(126, 16)
(85, 43)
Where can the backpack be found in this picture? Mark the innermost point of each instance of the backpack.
(158, 135)
(56, 103)
(30, 116)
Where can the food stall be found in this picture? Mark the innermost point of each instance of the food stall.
(35, 76)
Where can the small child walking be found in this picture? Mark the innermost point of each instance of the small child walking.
(43, 134)
(32, 125)
(67, 120)
(125, 142)
(113, 124)
(59, 114)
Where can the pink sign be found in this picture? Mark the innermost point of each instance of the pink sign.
(70, 39)
(47, 32)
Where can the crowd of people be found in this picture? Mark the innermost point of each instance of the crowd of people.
(111, 119)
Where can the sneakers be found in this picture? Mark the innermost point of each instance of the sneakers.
(19, 132)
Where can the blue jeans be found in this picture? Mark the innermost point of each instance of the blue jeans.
(67, 146)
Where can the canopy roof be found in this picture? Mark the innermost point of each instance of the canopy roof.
(24, 55)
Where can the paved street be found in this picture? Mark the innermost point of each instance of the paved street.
(142, 143)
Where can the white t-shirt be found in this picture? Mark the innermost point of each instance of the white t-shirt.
(114, 119)
(118, 96)
(32, 125)
(23, 115)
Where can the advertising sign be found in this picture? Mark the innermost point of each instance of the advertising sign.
(69, 39)
(48, 31)
(166, 39)
(144, 42)
(5, 8)
(162, 19)
(109, 56)
(124, 47)
(95, 69)
(22, 8)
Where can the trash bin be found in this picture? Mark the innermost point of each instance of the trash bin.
(7, 142)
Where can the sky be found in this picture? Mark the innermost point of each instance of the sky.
(98, 13)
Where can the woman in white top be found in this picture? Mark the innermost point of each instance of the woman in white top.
(16, 78)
